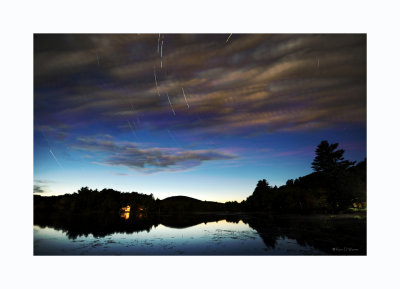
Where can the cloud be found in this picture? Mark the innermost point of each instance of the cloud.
(302, 151)
(254, 83)
(40, 186)
(121, 174)
(43, 181)
(56, 130)
(37, 189)
(148, 160)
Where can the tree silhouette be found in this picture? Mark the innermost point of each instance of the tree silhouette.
(261, 197)
(328, 158)
(261, 188)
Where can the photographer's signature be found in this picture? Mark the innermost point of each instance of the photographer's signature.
(344, 249)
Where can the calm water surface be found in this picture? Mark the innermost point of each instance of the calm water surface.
(214, 238)
(199, 235)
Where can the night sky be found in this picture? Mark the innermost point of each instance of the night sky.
(201, 115)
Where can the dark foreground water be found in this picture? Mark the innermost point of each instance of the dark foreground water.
(200, 235)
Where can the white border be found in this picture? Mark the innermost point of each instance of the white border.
(23, 18)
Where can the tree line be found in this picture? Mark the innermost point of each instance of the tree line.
(335, 185)
(92, 201)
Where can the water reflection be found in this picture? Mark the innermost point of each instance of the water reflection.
(234, 234)
(125, 216)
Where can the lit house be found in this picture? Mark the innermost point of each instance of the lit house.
(125, 212)
(126, 209)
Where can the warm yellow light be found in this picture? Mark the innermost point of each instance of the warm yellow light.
(126, 209)
(125, 212)
(125, 216)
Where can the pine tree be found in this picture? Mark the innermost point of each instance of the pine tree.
(329, 158)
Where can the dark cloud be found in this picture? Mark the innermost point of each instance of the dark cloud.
(58, 131)
(37, 189)
(40, 186)
(253, 82)
(148, 160)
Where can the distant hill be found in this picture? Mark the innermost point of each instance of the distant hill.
(181, 204)
(180, 199)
